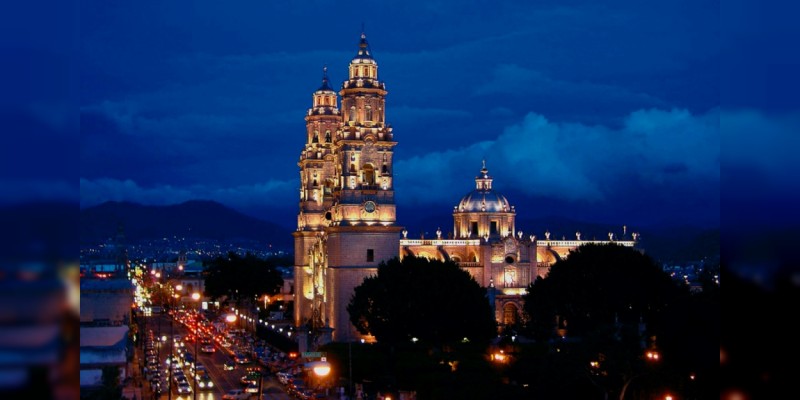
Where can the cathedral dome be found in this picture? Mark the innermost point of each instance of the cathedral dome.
(484, 201)
(483, 198)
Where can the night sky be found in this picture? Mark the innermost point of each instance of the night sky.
(598, 112)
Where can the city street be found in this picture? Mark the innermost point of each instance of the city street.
(224, 380)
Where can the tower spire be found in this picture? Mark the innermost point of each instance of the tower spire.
(325, 85)
(483, 181)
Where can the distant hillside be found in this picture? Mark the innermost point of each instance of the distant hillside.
(195, 219)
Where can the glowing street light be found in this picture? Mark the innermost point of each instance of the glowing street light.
(179, 287)
(321, 369)
(195, 296)
(230, 318)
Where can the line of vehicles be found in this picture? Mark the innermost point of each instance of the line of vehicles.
(172, 374)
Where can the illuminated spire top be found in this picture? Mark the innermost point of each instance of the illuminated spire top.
(483, 182)
(363, 48)
(325, 86)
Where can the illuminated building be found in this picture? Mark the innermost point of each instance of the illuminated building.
(347, 220)
(346, 224)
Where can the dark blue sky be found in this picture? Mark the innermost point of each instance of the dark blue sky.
(602, 112)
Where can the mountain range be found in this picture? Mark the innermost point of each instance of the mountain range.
(193, 219)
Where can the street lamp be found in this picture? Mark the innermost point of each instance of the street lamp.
(321, 369)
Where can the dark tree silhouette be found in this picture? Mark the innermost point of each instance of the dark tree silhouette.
(436, 302)
(596, 286)
(244, 277)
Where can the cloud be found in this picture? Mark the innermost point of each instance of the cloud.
(512, 79)
(422, 115)
(14, 191)
(277, 192)
(653, 150)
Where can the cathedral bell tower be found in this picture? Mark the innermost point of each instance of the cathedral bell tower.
(363, 231)
(365, 147)
(317, 181)
(347, 220)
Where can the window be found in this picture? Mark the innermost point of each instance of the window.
(316, 137)
(384, 169)
(369, 113)
(353, 113)
(493, 228)
(327, 136)
(370, 255)
(369, 175)
(473, 228)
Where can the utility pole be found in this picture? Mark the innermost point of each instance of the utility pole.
(171, 360)
(260, 380)
(350, 364)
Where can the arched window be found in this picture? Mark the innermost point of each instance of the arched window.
(352, 168)
(316, 137)
(369, 174)
(353, 113)
(369, 113)
(509, 314)
(327, 136)
(384, 169)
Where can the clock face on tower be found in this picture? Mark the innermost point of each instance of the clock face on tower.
(369, 206)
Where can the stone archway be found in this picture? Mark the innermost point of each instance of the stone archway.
(510, 314)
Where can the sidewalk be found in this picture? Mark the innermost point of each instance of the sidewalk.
(137, 387)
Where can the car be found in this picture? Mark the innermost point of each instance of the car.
(200, 370)
(208, 349)
(236, 394)
(252, 387)
(184, 388)
(250, 377)
(283, 377)
(241, 359)
(229, 366)
(204, 382)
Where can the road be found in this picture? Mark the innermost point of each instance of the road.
(163, 325)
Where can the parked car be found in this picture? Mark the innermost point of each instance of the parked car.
(236, 394)
(229, 365)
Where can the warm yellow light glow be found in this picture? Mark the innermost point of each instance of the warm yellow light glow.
(322, 369)
(195, 296)
(179, 287)
(230, 318)
(499, 356)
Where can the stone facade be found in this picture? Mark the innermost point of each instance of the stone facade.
(346, 224)
(347, 220)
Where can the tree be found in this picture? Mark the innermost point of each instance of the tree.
(596, 286)
(244, 277)
(436, 302)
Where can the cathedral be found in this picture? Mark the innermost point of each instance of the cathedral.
(347, 220)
